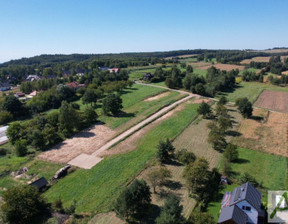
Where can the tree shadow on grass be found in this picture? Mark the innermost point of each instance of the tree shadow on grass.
(242, 161)
(233, 133)
(173, 163)
(124, 114)
(153, 213)
(173, 185)
(257, 118)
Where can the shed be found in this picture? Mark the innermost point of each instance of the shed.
(40, 183)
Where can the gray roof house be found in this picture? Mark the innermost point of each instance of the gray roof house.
(241, 206)
(4, 86)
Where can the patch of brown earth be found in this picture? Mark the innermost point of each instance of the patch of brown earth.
(86, 141)
(273, 100)
(225, 67)
(269, 133)
(199, 101)
(106, 218)
(157, 97)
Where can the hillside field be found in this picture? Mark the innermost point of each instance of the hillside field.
(96, 189)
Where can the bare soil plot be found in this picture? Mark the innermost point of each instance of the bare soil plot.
(265, 131)
(84, 142)
(157, 97)
(259, 59)
(199, 101)
(273, 100)
(195, 139)
(285, 73)
(106, 218)
(199, 64)
(225, 67)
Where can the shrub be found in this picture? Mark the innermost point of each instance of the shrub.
(21, 147)
(5, 117)
(3, 152)
(185, 157)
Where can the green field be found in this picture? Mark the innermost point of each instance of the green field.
(250, 70)
(96, 189)
(135, 107)
(269, 170)
(200, 72)
(11, 163)
(251, 90)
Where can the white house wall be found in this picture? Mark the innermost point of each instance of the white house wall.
(252, 215)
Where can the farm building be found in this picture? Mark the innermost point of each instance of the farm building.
(75, 85)
(243, 205)
(32, 78)
(34, 93)
(115, 70)
(19, 94)
(40, 183)
(148, 77)
(3, 137)
(4, 86)
(103, 68)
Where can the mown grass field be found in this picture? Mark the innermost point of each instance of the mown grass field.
(269, 170)
(96, 189)
(251, 90)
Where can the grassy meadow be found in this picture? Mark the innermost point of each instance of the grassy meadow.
(251, 90)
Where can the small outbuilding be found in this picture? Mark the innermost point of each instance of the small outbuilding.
(40, 183)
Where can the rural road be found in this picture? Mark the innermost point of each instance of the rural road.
(88, 161)
(138, 126)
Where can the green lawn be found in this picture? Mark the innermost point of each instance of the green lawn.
(135, 106)
(200, 72)
(267, 169)
(250, 70)
(96, 189)
(251, 90)
(11, 163)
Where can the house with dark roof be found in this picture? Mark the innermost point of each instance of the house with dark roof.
(4, 86)
(242, 206)
(40, 183)
(148, 76)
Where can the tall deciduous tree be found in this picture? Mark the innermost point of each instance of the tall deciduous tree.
(89, 97)
(197, 177)
(13, 105)
(68, 118)
(171, 211)
(245, 107)
(134, 200)
(112, 103)
(23, 204)
(205, 110)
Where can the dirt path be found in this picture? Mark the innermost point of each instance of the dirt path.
(88, 161)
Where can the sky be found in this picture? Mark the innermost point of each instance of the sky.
(34, 27)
